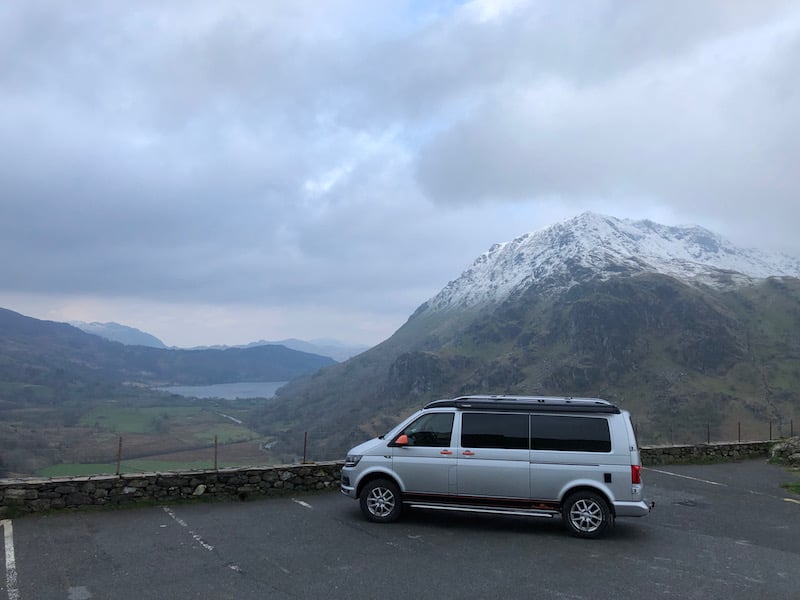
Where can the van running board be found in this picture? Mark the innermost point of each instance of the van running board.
(519, 512)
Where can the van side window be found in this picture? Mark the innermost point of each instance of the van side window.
(433, 429)
(578, 434)
(492, 430)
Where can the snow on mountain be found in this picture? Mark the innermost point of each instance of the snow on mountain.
(596, 246)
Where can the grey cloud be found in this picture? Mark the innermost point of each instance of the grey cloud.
(359, 154)
(706, 136)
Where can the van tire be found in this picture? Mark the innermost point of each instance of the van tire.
(587, 515)
(381, 501)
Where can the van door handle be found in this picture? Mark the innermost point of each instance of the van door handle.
(468, 453)
(446, 452)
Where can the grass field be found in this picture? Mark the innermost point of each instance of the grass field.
(150, 419)
(154, 433)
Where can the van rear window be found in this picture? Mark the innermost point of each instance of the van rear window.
(578, 434)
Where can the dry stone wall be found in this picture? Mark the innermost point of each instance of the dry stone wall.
(787, 451)
(662, 455)
(31, 495)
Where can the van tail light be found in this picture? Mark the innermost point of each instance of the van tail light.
(636, 474)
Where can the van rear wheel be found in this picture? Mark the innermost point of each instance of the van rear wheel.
(587, 515)
(380, 501)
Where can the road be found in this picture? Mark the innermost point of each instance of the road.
(724, 531)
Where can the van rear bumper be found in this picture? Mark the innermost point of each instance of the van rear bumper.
(632, 509)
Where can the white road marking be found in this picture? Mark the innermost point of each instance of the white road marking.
(183, 523)
(301, 503)
(791, 500)
(196, 537)
(11, 561)
(686, 477)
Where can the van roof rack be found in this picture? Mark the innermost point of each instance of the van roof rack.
(527, 403)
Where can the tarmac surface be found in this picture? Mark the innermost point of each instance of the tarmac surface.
(724, 531)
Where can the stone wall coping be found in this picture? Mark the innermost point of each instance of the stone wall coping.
(9, 481)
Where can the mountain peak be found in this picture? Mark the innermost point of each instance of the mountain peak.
(594, 246)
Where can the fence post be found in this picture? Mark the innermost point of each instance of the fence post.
(770, 431)
(305, 445)
(708, 433)
(216, 452)
(119, 455)
(740, 431)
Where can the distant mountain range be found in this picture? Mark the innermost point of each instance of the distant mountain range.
(131, 336)
(123, 334)
(676, 323)
(334, 349)
(52, 359)
(337, 350)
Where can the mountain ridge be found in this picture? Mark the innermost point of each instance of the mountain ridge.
(34, 351)
(601, 246)
(131, 336)
(338, 351)
(116, 332)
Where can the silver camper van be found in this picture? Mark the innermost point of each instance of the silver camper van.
(511, 455)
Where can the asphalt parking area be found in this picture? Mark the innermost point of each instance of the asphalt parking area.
(717, 531)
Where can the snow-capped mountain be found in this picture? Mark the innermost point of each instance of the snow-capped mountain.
(592, 246)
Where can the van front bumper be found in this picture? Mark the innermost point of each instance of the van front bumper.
(633, 509)
(346, 488)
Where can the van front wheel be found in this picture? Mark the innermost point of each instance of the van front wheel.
(587, 515)
(380, 501)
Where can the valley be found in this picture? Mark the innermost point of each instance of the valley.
(67, 397)
(698, 339)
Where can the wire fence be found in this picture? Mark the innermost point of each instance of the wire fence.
(648, 434)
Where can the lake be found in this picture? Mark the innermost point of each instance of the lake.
(227, 391)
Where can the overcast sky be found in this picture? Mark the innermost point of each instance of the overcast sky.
(218, 172)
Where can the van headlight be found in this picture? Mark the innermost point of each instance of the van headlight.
(352, 460)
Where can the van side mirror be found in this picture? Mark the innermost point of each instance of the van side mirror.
(402, 440)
